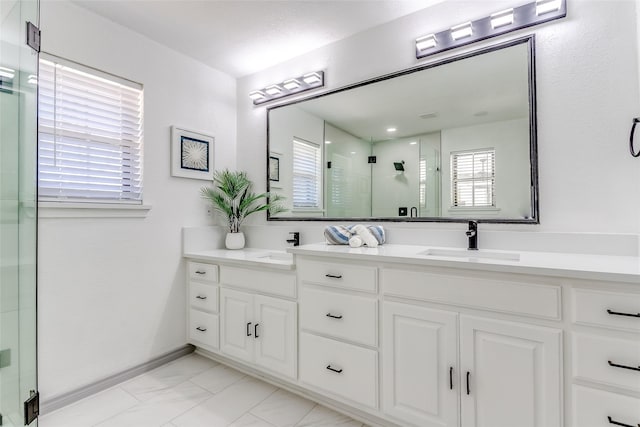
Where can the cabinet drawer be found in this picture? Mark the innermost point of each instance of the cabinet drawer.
(594, 408)
(603, 359)
(203, 329)
(349, 317)
(347, 276)
(608, 309)
(339, 369)
(266, 281)
(507, 296)
(203, 297)
(202, 272)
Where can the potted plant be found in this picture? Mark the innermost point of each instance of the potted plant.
(231, 195)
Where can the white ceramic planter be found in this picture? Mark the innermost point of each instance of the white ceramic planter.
(234, 240)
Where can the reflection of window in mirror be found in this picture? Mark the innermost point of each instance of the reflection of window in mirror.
(473, 178)
(423, 182)
(307, 175)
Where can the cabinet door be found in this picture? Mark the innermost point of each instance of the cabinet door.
(421, 383)
(514, 374)
(236, 331)
(275, 334)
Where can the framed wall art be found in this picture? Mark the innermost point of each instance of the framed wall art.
(191, 154)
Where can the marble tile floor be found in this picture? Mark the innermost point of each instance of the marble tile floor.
(194, 391)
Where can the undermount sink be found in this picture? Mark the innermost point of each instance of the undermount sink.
(477, 254)
(277, 256)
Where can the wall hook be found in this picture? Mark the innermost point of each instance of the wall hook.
(633, 129)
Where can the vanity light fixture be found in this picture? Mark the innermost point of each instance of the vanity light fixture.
(461, 31)
(273, 90)
(257, 95)
(546, 6)
(500, 19)
(291, 84)
(498, 23)
(288, 87)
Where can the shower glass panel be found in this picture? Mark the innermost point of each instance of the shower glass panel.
(18, 148)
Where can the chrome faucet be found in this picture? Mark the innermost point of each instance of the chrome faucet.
(472, 234)
(295, 239)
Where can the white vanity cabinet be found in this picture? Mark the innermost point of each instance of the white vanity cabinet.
(606, 355)
(203, 321)
(339, 329)
(449, 368)
(256, 328)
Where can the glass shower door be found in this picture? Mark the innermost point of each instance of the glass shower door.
(18, 149)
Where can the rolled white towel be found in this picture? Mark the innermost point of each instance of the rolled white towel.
(355, 241)
(367, 237)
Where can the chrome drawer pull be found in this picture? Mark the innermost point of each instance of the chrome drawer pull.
(201, 297)
(339, 316)
(615, 365)
(617, 313)
(249, 329)
(337, 371)
(450, 377)
(201, 272)
(614, 422)
(468, 385)
(255, 331)
(201, 329)
(333, 276)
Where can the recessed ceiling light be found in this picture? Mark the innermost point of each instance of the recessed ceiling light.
(432, 115)
(413, 142)
(353, 152)
(391, 129)
(327, 142)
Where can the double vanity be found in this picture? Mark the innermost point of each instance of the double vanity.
(405, 335)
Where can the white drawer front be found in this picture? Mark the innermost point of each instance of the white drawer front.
(607, 360)
(203, 272)
(270, 282)
(608, 309)
(203, 329)
(203, 297)
(354, 374)
(347, 276)
(522, 298)
(592, 408)
(350, 317)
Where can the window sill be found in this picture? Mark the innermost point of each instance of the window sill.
(474, 210)
(91, 210)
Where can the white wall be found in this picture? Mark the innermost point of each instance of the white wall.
(111, 290)
(587, 87)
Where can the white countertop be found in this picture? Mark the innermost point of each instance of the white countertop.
(247, 256)
(580, 266)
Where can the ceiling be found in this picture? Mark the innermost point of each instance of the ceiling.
(241, 37)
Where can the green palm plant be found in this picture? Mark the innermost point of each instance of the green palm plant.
(232, 197)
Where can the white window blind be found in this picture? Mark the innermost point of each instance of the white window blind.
(473, 178)
(89, 135)
(306, 174)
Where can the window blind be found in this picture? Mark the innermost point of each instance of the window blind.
(89, 135)
(473, 178)
(306, 174)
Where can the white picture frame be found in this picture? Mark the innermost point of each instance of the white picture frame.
(191, 154)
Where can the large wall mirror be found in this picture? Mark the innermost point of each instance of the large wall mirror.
(448, 141)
